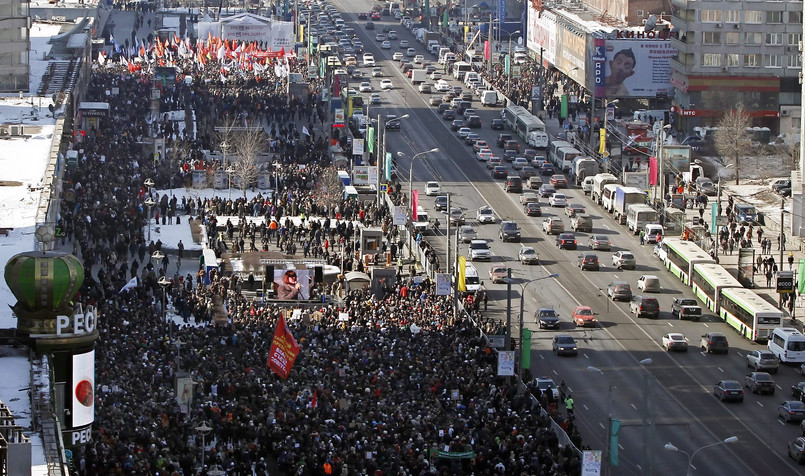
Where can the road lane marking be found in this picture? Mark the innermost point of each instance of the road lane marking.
(720, 369)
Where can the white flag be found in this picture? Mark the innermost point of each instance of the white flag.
(130, 285)
(305, 131)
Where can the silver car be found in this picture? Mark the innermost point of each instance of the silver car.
(467, 233)
(624, 260)
(600, 242)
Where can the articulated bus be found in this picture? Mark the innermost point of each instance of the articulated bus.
(680, 256)
(752, 316)
(708, 280)
(528, 123)
(510, 114)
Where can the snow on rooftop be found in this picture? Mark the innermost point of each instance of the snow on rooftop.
(40, 34)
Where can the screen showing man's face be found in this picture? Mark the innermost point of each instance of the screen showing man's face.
(621, 67)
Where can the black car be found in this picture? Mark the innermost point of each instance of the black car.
(370, 25)
(533, 209)
(727, 390)
(457, 124)
(565, 345)
(759, 382)
(566, 241)
(496, 124)
(449, 115)
(547, 169)
(588, 261)
(500, 172)
(502, 138)
(798, 390)
(547, 318)
(440, 203)
(643, 306)
(474, 122)
(362, 16)
(509, 231)
(442, 107)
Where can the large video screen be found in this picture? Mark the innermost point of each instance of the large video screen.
(292, 284)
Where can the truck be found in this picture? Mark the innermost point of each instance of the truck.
(433, 47)
(686, 308)
(583, 167)
(598, 185)
(418, 76)
(638, 216)
(625, 196)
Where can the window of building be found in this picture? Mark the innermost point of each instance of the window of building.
(774, 17)
(774, 38)
(795, 17)
(796, 123)
(641, 13)
(773, 61)
(711, 59)
(794, 61)
(753, 38)
(753, 16)
(794, 39)
(732, 16)
(711, 37)
(711, 16)
(732, 60)
(752, 61)
(732, 38)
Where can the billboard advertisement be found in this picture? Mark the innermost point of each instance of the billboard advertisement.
(637, 68)
(541, 33)
(292, 284)
(83, 389)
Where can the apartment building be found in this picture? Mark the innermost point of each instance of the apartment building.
(15, 45)
(732, 52)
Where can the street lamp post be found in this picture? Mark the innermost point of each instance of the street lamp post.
(608, 456)
(203, 429)
(726, 441)
(522, 307)
(229, 170)
(164, 283)
(411, 173)
(509, 54)
(381, 155)
(149, 202)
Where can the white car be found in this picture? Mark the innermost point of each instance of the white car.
(419, 59)
(368, 59)
(519, 163)
(404, 44)
(386, 84)
(365, 87)
(675, 341)
(380, 37)
(435, 75)
(484, 155)
(528, 255)
(558, 200)
(485, 215)
(432, 188)
(374, 98)
(410, 52)
(397, 56)
(377, 72)
(442, 86)
(386, 45)
(392, 35)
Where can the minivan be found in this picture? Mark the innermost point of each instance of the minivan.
(581, 222)
(744, 213)
(514, 184)
(489, 98)
(472, 281)
(649, 283)
(534, 183)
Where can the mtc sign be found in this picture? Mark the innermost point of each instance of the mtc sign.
(79, 324)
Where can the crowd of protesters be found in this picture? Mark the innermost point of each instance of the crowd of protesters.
(401, 386)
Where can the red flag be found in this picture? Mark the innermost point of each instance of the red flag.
(414, 204)
(315, 398)
(284, 350)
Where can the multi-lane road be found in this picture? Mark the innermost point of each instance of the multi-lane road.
(676, 389)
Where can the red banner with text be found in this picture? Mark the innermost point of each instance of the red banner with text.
(284, 350)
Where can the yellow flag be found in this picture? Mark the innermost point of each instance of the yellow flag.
(603, 141)
(462, 266)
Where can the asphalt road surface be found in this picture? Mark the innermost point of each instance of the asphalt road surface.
(676, 389)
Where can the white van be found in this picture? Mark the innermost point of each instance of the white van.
(472, 282)
(422, 221)
(788, 344)
(608, 196)
(471, 76)
(489, 98)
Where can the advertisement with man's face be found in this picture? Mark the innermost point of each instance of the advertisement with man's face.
(292, 284)
(638, 68)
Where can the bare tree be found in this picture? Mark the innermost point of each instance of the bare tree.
(247, 144)
(731, 141)
(330, 188)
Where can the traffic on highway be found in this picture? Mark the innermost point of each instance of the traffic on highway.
(665, 354)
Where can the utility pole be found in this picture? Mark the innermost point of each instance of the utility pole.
(489, 42)
(782, 248)
(508, 309)
(447, 235)
(540, 104)
(380, 154)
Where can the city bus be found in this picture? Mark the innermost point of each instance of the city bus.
(565, 157)
(708, 280)
(681, 255)
(553, 151)
(752, 316)
(510, 114)
(526, 124)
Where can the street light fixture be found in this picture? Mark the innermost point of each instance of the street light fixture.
(522, 308)
(203, 429)
(726, 441)
(608, 456)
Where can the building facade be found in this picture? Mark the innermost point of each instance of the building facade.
(15, 45)
(733, 52)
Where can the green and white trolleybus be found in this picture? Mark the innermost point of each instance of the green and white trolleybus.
(752, 316)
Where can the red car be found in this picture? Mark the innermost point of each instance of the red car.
(375, 15)
(362, 16)
(583, 316)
